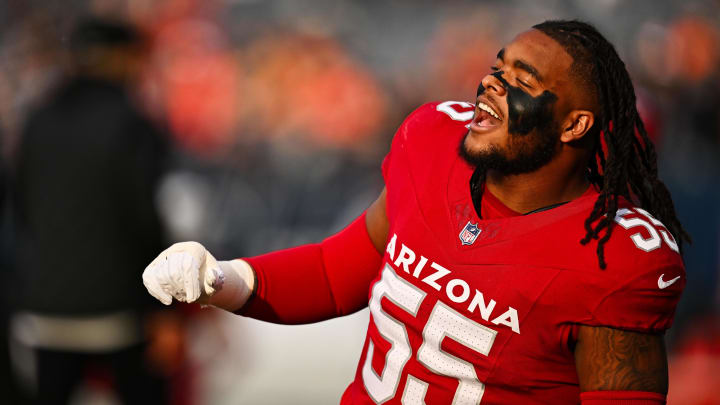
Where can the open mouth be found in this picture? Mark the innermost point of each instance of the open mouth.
(486, 118)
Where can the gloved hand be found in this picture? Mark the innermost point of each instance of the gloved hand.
(185, 271)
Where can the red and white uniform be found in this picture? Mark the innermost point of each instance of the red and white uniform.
(487, 319)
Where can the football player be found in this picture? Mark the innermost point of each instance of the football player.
(523, 250)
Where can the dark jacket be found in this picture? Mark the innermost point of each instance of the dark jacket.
(85, 218)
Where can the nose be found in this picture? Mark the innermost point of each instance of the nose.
(492, 83)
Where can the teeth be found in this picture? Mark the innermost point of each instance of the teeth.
(489, 110)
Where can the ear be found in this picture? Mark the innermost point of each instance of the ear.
(576, 125)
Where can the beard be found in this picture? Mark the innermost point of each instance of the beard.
(524, 153)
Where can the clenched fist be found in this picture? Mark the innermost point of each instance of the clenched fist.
(189, 273)
(185, 271)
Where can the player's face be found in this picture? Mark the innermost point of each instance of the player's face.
(518, 107)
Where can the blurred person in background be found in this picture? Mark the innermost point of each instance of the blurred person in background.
(531, 196)
(85, 222)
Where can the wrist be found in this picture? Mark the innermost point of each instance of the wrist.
(236, 283)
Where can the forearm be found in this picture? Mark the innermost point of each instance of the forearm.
(315, 282)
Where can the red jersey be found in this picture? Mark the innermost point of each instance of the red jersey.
(470, 310)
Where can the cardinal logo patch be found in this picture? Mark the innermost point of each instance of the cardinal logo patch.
(469, 233)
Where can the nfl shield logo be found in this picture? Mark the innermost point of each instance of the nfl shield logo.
(469, 233)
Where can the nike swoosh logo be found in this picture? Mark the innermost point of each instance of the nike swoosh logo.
(662, 284)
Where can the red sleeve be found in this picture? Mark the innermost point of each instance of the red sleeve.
(622, 398)
(312, 283)
(644, 279)
(640, 303)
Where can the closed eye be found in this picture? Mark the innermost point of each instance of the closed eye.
(522, 83)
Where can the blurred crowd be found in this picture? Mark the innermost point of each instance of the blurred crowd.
(275, 116)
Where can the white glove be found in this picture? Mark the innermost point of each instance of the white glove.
(189, 273)
(185, 271)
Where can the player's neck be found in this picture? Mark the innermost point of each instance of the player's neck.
(541, 188)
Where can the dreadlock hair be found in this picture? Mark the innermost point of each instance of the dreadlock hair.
(624, 163)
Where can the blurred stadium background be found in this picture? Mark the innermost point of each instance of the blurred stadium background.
(280, 113)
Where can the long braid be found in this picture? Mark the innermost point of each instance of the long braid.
(624, 163)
